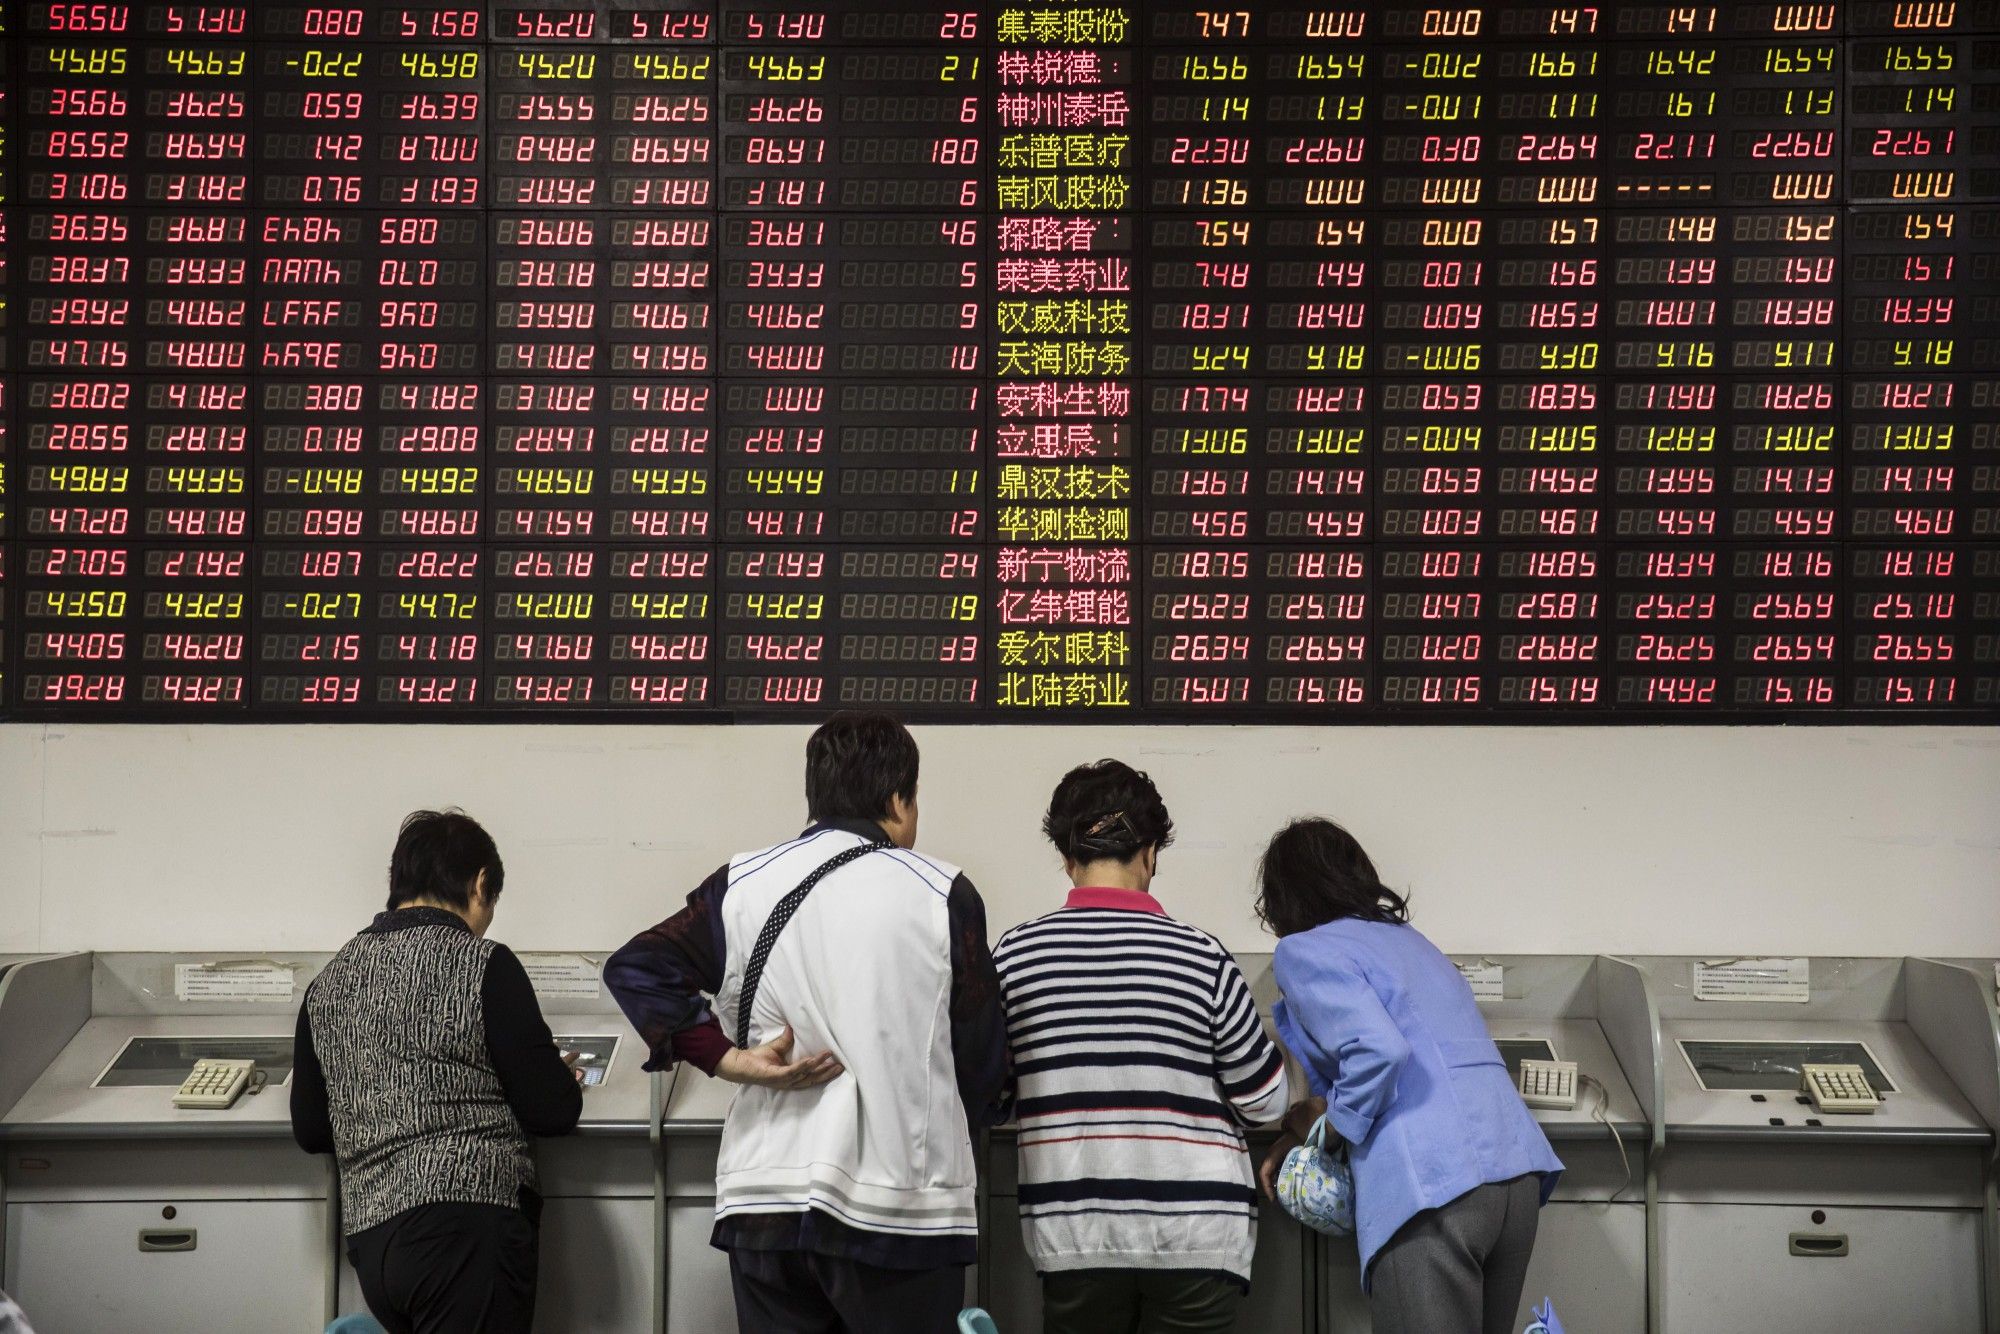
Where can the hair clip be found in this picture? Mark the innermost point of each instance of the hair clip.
(1117, 820)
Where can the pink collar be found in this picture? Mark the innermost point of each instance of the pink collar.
(1104, 896)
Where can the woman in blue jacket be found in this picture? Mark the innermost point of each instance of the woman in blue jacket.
(1450, 1168)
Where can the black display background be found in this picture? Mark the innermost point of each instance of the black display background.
(1869, 579)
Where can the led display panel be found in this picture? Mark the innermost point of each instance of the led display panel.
(1330, 361)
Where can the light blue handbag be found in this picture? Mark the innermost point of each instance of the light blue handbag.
(1316, 1186)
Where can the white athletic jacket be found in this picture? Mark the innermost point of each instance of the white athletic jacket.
(886, 966)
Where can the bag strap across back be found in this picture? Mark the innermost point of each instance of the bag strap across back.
(774, 925)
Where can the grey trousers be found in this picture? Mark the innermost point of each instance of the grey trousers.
(1458, 1269)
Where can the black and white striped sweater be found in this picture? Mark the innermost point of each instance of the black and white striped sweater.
(423, 1063)
(1138, 1059)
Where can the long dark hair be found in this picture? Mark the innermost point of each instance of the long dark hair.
(1315, 872)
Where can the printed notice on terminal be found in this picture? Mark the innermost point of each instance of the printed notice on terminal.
(562, 976)
(1487, 979)
(271, 982)
(1783, 981)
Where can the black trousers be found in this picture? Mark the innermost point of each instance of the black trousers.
(797, 1292)
(1128, 1301)
(449, 1269)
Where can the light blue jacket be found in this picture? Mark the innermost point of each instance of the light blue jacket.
(1390, 1036)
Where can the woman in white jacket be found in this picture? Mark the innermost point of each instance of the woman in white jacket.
(845, 1188)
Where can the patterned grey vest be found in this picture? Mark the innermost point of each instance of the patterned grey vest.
(418, 1113)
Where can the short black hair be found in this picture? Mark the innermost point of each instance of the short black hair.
(1315, 872)
(439, 855)
(856, 763)
(1106, 810)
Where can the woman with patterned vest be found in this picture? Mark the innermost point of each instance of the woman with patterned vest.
(424, 1066)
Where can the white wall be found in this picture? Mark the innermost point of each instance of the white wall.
(1653, 840)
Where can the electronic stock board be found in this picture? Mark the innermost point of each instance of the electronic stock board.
(695, 358)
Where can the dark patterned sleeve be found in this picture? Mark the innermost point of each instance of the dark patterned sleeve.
(978, 1028)
(662, 976)
(312, 1123)
(540, 1088)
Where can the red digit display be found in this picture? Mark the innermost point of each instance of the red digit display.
(688, 357)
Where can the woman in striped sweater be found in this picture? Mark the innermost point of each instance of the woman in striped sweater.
(1138, 1059)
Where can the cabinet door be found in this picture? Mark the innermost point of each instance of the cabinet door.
(1731, 1266)
(597, 1267)
(1590, 1259)
(242, 1264)
(699, 1300)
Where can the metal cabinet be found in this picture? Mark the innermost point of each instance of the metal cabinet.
(1776, 1215)
(214, 1266)
(166, 1236)
(1590, 1257)
(698, 1294)
(597, 1267)
(598, 1251)
(1789, 1269)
